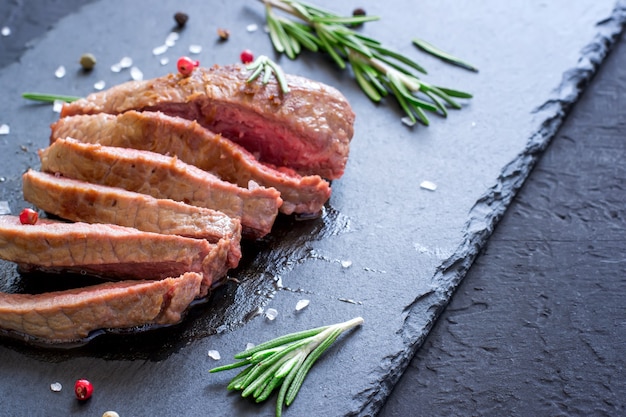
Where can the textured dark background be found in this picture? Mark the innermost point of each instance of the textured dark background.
(537, 327)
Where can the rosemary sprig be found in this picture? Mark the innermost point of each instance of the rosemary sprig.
(378, 70)
(49, 98)
(268, 67)
(284, 361)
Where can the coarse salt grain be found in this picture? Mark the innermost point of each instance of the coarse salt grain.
(302, 304)
(253, 27)
(136, 74)
(57, 106)
(215, 355)
(99, 85)
(171, 39)
(159, 50)
(60, 72)
(56, 387)
(5, 129)
(271, 314)
(116, 67)
(6, 31)
(428, 185)
(126, 62)
(346, 264)
(4, 207)
(195, 49)
(249, 345)
(407, 121)
(164, 61)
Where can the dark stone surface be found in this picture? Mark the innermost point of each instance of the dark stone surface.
(538, 325)
(406, 264)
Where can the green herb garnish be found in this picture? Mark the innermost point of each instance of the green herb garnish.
(268, 67)
(49, 98)
(284, 361)
(378, 70)
(433, 50)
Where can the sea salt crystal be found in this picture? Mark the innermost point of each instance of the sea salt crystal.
(4, 207)
(126, 62)
(56, 387)
(164, 61)
(136, 74)
(428, 185)
(171, 39)
(346, 264)
(116, 67)
(99, 85)
(6, 31)
(195, 49)
(57, 106)
(407, 121)
(159, 50)
(215, 355)
(253, 27)
(271, 314)
(249, 345)
(4, 129)
(302, 304)
(60, 72)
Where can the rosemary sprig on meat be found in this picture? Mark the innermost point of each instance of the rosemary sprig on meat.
(268, 67)
(379, 71)
(283, 362)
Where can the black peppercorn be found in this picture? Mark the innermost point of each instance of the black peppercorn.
(181, 19)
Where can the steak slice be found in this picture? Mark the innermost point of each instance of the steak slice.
(81, 201)
(66, 316)
(195, 145)
(110, 251)
(163, 176)
(308, 129)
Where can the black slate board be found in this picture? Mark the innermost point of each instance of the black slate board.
(408, 247)
(536, 328)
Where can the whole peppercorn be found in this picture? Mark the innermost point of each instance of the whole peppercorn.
(223, 34)
(359, 11)
(246, 56)
(83, 389)
(181, 19)
(87, 61)
(28, 216)
(186, 65)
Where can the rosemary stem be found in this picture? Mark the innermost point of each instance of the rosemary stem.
(285, 8)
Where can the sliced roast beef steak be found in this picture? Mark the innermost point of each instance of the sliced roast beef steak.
(81, 201)
(66, 316)
(163, 176)
(308, 129)
(193, 144)
(111, 251)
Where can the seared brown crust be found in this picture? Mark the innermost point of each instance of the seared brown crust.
(110, 250)
(309, 129)
(65, 316)
(163, 177)
(195, 145)
(81, 201)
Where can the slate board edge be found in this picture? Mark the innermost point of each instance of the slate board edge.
(491, 206)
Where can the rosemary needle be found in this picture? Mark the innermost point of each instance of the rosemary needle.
(283, 362)
(433, 50)
(49, 98)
